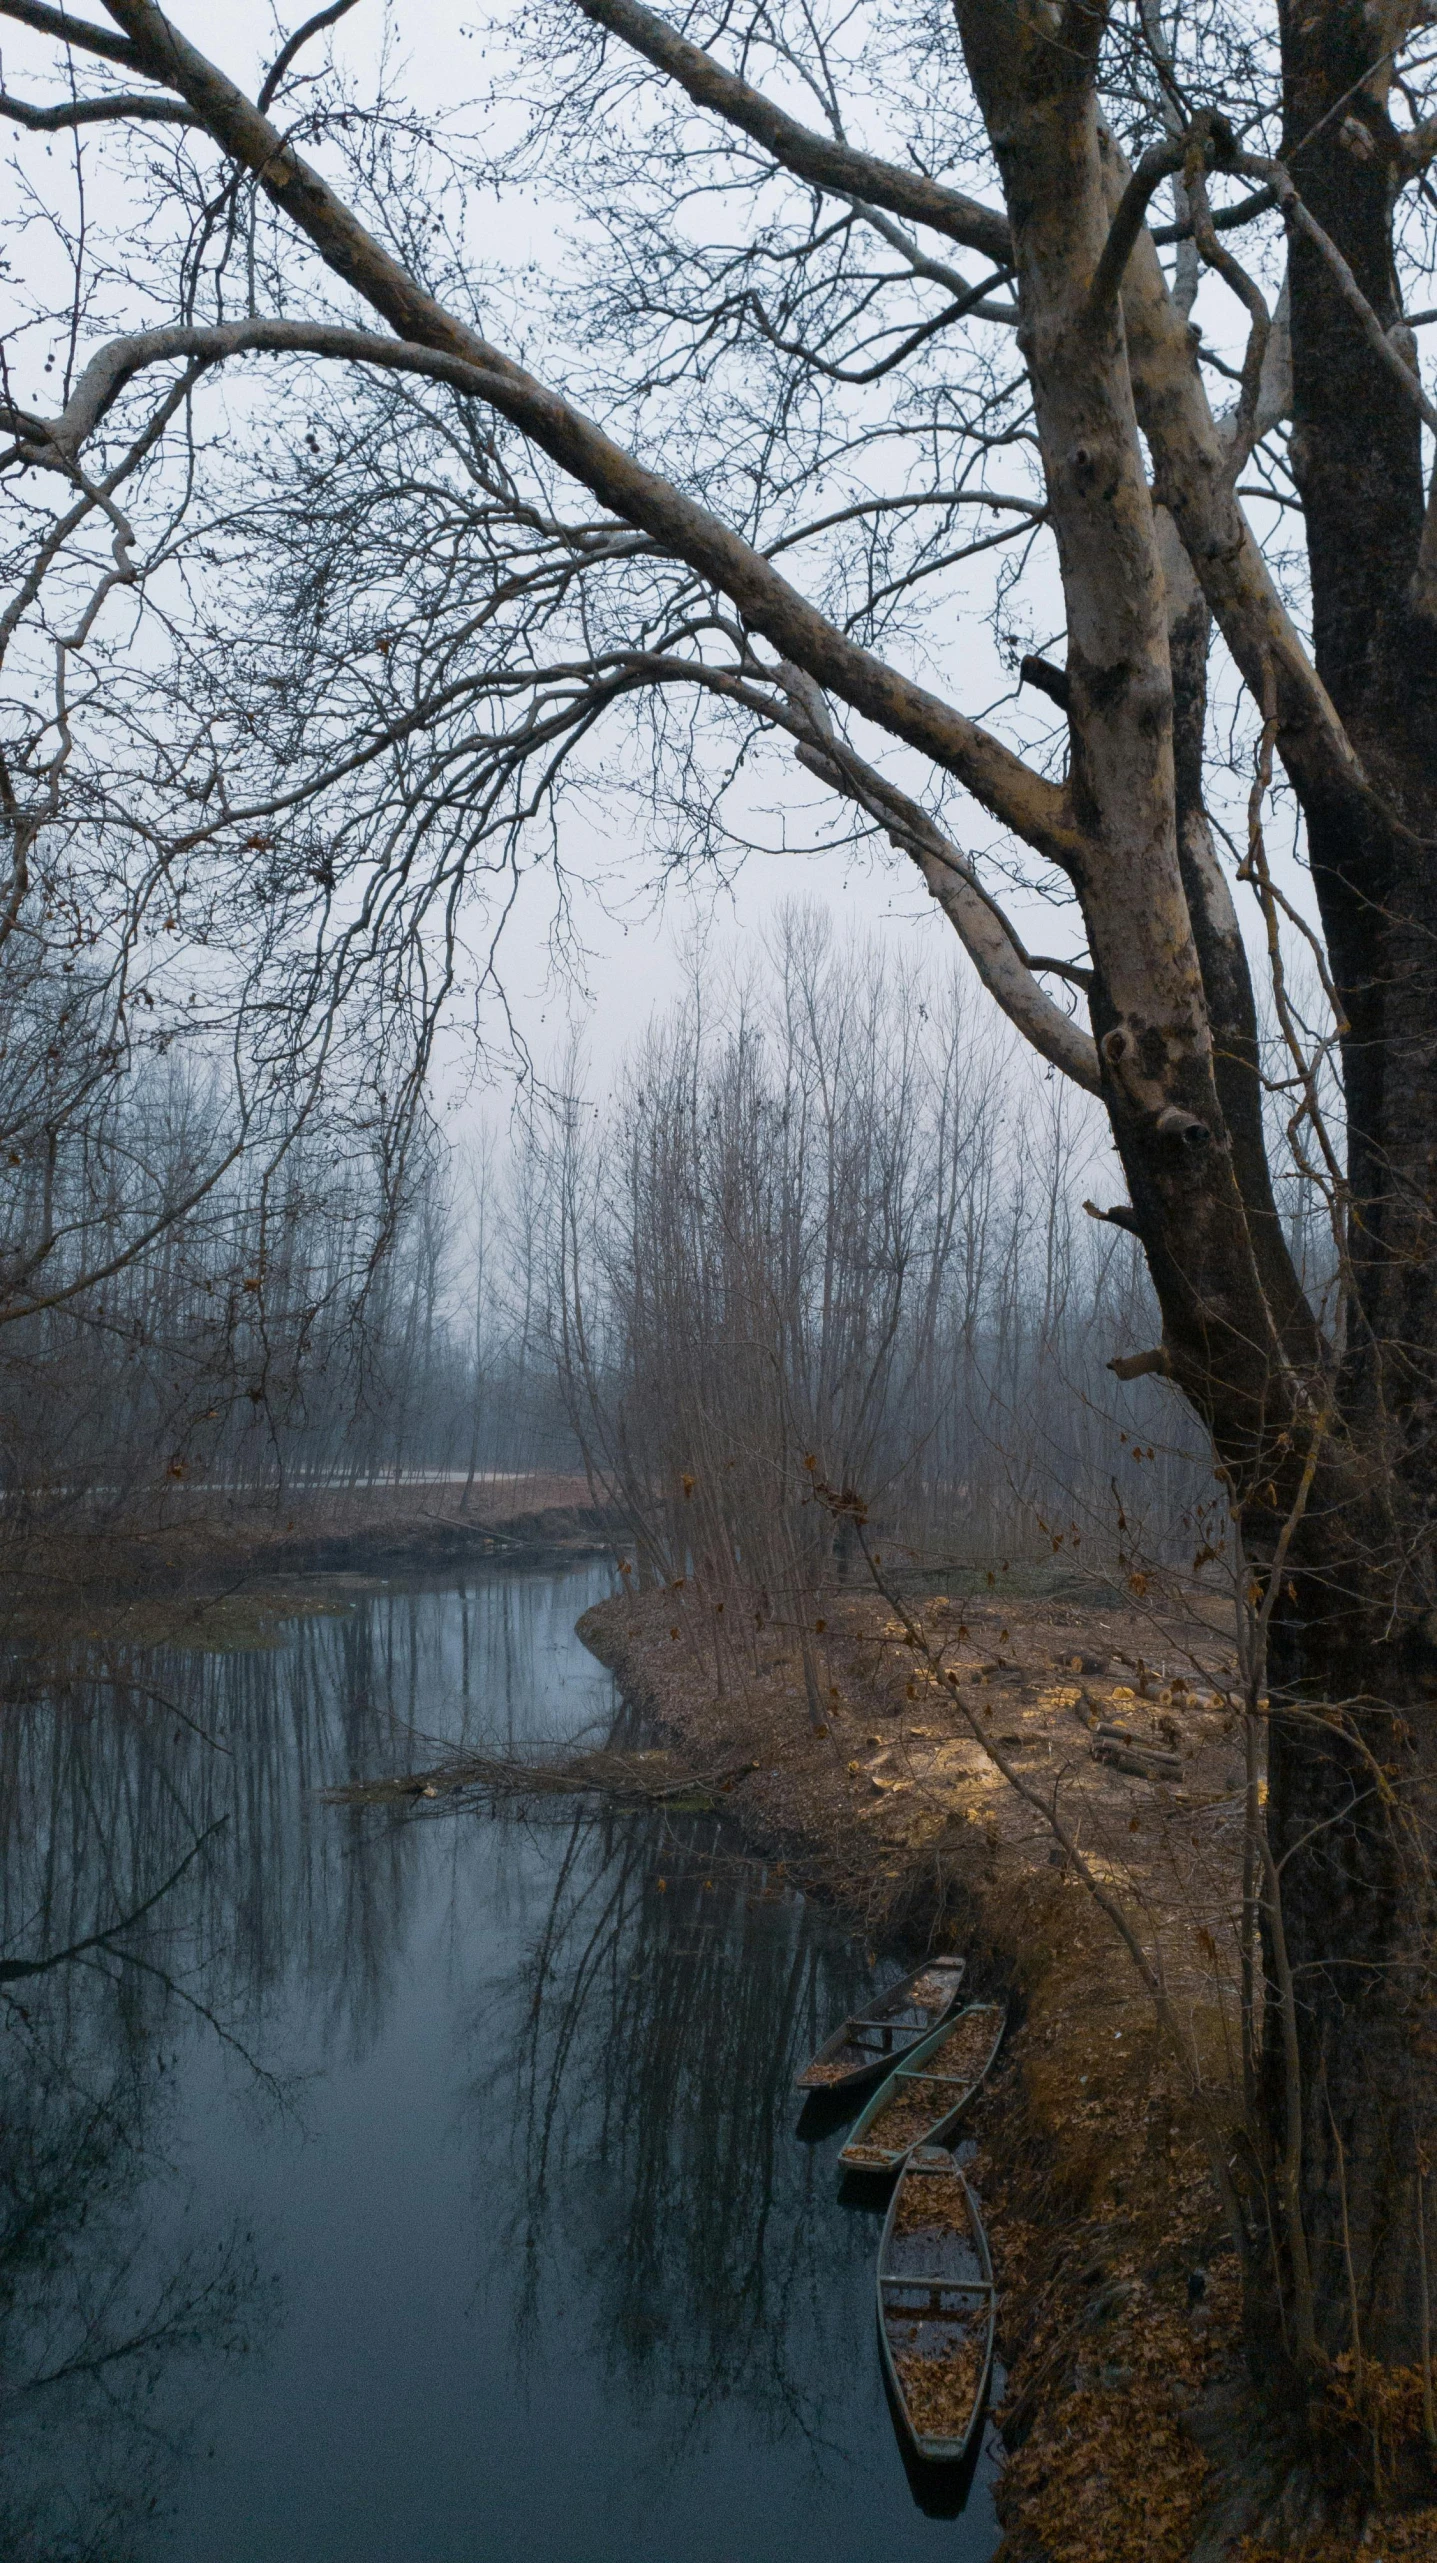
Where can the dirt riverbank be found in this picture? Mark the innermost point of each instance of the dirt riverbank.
(1128, 2409)
(209, 1567)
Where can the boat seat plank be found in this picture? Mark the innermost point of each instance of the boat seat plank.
(982, 2287)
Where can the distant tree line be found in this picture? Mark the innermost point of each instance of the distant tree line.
(824, 1231)
(203, 1303)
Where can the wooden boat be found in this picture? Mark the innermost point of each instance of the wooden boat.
(937, 2306)
(923, 2097)
(873, 2041)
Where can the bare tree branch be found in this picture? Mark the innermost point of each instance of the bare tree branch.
(80, 32)
(121, 108)
(295, 44)
(811, 156)
(1034, 808)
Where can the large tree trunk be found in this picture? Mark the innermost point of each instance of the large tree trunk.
(1354, 1668)
(1349, 1793)
(1348, 2058)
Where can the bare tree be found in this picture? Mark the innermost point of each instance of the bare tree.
(751, 476)
(821, 1234)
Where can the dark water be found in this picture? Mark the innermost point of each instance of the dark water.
(402, 2190)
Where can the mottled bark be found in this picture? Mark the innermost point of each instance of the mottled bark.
(1223, 1339)
(1349, 1784)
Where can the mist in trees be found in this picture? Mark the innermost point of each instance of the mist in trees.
(819, 1225)
(827, 1231)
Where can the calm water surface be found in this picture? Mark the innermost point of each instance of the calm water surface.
(403, 2189)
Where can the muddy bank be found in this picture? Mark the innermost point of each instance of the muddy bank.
(224, 1578)
(407, 1538)
(1128, 2410)
(202, 1547)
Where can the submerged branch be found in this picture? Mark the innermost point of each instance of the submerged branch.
(653, 1778)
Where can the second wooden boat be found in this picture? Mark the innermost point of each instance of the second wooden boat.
(937, 2308)
(873, 2041)
(922, 2098)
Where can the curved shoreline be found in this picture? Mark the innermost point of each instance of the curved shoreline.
(1119, 2324)
(208, 1576)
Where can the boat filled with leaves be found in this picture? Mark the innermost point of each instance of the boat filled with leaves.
(937, 2306)
(874, 2040)
(923, 2097)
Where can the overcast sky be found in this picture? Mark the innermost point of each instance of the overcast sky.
(630, 930)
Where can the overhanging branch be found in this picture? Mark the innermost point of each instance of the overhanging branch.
(1189, 451)
(1035, 809)
(1188, 448)
(82, 33)
(815, 157)
(989, 940)
(123, 108)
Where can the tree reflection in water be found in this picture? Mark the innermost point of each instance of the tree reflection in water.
(648, 2051)
(92, 2316)
(163, 1881)
(651, 1996)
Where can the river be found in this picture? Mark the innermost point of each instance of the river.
(417, 2186)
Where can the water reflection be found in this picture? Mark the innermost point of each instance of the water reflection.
(327, 2132)
(652, 2039)
(93, 2310)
